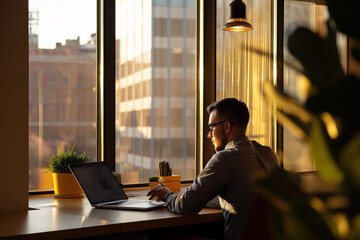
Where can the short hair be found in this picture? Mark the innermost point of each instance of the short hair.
(233, 110)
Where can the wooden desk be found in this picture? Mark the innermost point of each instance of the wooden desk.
(64, 218)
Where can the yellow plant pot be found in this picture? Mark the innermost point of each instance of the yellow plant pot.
(171, 182)
(153, 184)
(65, 185)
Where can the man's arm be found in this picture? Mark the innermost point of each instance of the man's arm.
(209, 184)
(214, 203)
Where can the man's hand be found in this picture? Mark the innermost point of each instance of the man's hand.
(158, 191)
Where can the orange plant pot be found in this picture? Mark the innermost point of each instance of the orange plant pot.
(153, 184)
(171, 182)
(65, 185)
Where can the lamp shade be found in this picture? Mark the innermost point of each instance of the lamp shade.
(237, 21)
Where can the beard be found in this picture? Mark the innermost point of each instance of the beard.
(222, 145)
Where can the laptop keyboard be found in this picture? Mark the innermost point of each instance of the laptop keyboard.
(129, 202)
(136, 201)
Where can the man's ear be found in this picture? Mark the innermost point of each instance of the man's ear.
(228, 126)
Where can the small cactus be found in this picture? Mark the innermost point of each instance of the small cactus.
(164, 169)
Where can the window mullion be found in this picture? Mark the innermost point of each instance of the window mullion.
(106, 83)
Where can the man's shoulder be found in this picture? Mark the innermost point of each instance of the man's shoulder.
(228, 154)
(266, 154)
(261, 148)
(219, 157)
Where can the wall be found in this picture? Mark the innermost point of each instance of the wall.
(14, 105)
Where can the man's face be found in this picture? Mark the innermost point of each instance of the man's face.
(217, 131)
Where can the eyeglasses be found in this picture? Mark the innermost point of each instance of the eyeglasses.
(211, 126)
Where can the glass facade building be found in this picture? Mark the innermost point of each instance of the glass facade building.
(155, 88)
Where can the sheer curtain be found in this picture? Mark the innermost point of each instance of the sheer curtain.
(241, 72)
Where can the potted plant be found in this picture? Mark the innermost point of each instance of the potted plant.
(65, 184)
(329, 121)
(153, 181)
(166, 178)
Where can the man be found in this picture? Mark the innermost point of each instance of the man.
(228, 172)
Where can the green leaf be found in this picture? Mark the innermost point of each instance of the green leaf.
(280, 186)
(346, 91)
(299, 215)
(295, 228)
(355, 51)
(153, 178)
(350, 159)
(309, 219)
(294, 124)
(283, 101)
(324, 160)
(59, 163)
(289, 112)
(355, 227)
(319, 56)
(346, 15)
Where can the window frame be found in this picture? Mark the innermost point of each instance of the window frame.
(206, 49)
(106, 82)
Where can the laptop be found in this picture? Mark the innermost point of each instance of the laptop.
(103, 190)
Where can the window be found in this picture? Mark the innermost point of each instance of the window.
(155, 104)
(242, 73)
(296, 152)
(160, 3)
(62, 83)
(155, 66)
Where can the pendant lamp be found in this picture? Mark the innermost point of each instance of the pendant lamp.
(237, 21)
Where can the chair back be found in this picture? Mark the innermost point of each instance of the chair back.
(257, 225)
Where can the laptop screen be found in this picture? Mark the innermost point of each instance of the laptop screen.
(98, 182)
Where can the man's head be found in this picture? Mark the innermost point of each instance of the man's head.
(228, 119)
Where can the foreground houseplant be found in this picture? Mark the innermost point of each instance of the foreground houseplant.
(65, 184)
(329, 121)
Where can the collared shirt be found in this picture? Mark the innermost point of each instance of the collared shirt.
(227, 175)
